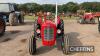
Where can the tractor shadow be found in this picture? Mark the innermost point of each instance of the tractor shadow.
(44, 49)
(10, 35)
(74, 40)
(21, 24)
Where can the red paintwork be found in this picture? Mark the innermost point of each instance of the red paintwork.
(97, 14)
(49, 24)
(58, 20)
(88, 16)
(39, 21)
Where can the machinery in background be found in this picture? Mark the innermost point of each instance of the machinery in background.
(87, 18)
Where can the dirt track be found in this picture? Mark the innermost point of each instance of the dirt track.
(15, 40)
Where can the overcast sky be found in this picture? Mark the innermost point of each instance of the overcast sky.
(47, 1)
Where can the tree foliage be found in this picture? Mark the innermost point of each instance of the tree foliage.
(91, 6)
(68, 7)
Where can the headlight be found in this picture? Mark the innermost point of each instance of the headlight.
(59, 31)
(38, 30)
(99, 18)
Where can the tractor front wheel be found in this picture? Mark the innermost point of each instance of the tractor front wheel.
(32, 45)
(65, 48)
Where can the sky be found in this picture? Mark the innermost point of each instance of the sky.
(47, 1)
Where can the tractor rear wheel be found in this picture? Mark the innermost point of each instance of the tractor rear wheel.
(2, 26)
(32, 45)
(65, 48)
(81, 21)
(99, 27)
(12, 19)
(92, 21)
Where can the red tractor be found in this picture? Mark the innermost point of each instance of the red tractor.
(50, 33)
(87, 18)
(99, 24)
(97, 14)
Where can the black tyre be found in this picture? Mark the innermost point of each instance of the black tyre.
(12, 19)
(21, 18)
(2, 26)
(99, 27)
(59, 42)
(82, 21)
(32, 45)
(65, 48)
(93, 21)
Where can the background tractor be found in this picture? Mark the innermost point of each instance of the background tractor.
(99, 25)
(10, 13)
(87, 18)
(97, 14)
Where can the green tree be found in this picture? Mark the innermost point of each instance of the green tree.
(90, 6)
(70, 7)
(48, 8)
(23, 7)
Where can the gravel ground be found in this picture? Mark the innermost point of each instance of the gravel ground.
(15, 40)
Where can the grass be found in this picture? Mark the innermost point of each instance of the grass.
(65, 18)
(72, 18)
(29, 17)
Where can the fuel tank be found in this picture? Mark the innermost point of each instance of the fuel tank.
(48, 33)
